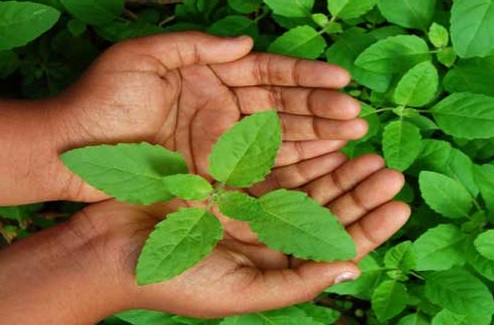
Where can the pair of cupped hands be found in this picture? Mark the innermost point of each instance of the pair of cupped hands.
(182, 91)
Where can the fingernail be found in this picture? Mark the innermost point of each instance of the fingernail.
(344, 277)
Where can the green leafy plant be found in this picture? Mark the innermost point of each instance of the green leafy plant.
(244, 155)
(423, 71)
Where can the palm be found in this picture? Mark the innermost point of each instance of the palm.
(243, 275)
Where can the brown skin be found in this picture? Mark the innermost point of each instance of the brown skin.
(182, 91)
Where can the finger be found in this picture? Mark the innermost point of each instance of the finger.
(378, 189)
(277, 70)
(268, 289)
(299, 101)
(175, 50)
(378, 226)
(342, 180)
(298, 174)
(303, 128)
(292, 152)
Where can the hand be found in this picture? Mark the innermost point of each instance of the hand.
(183, 90)
(243, 275)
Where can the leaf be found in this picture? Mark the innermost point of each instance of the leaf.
(303, 42)
(438, 35)
(471, 75)
(484, 243)
(446, 317)
(246, 153)
(22, 22)
(389, 299)
(350, 9)
(245, 6)
(414, 319)
(291, 214)
(466, 115)
(402, 257)
(321, 314)
(234, 26)
(94, 12)
(188, 187)
(285, 316)
(484, 178)
(416, 14)
(292, 9)
(472, 24)
(9, 62)
(176, 244)
(401, 144)
(447, 57)
(128, 172)
(418, 86)
(345, 51)
(117, 31)
(19, 212)
(440, 248)
(479, 263)
(434, 156)
(445, 195)
(460, 167)
(459, 291)
(145, 317)
(240, 206)
(394, 54)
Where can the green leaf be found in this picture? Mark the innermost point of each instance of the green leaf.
(303, 42)
(479, 263)
(245, 6)
(446, 317)
(188, 187)
(438, 35)
(176, 244)
(9, 62)
(401, 144)
(484, 178)
(466, 115)
(460, 167)
(128, 172)
(416, 14)
(22, 22)
(440, 248)
(240, 206)
(246, 153)
(402, 257)
(145, 317)
(459, 291)
(321, 314)
(484, 243)
(293, 9)
(445, 195)
(418, 86)
(345, 51)
(234, 26)
(94, 12)
(350, 9)
(389, 299)
(471, 75)
(394, 54)
(414, 319)
(363, 288)
(117, 31)
(286, 316)
(76, 27)
(20, 212)
(447, 57)
(434, 156)
(472, 24)
(291, 214)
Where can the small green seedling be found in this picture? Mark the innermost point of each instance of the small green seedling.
(244, 155)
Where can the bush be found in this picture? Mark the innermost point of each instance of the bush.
(423, 71)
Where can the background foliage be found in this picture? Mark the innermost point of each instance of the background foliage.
(424, 72)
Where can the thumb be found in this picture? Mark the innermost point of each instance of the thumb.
(274, 289)
(176, 50)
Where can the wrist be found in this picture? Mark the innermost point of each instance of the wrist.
(60, 276)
